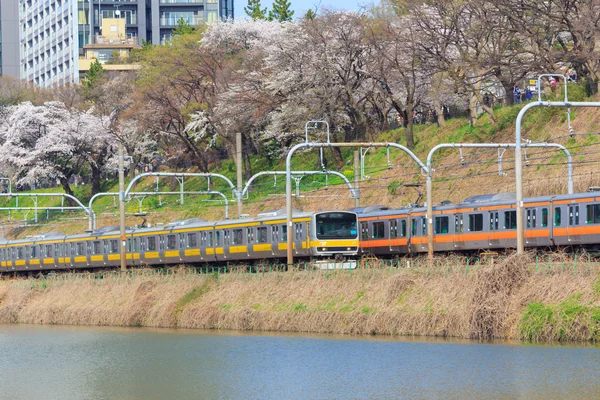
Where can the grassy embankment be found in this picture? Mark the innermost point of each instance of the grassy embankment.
(516, 298)
(452, 179)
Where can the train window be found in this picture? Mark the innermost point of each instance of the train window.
(378, 230)
(114, 246)
(283, 233)
(238, 236)
(250, 235)
(529, 218)
(96, 247)
(364, 231)
(403, 226)
(191, 240)
(80, 249)
(152, 243)
(475, 222)
(573, 215)
(20, 253)
(593, 214)
(33, 251)
(128, 245)
(557, 215)
(182, 240)
(393, 228)
(48, 250)
(413, 227)
(262, 234)
(423, 226)
(143, 244)
(441, 225)
(510, 220)
(218, 238)
(210, 239)
(544, 217)
(161, 243)
(171, 242)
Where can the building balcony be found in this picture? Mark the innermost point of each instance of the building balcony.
(184, 2)
(108, 40)
(172, 21)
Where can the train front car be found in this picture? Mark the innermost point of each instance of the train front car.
(334, 234)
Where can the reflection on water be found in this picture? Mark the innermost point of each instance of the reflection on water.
(40, 362)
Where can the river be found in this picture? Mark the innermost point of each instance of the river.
(52, 362)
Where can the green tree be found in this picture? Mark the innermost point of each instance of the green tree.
(254, 11)
(94, 74)
(281, 11)
(183, 28)
(310, 15)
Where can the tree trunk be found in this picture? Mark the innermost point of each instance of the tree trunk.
(64, 182)
(437, 106)
(473, 109)
(96, 179)
(408, 132)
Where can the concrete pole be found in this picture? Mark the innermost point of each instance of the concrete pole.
(238, 167)
(356, 179)
(122, 207)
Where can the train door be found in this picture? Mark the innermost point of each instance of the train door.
(531, 225)
(172, 250)
(459, 227)
(70, 257)
(219, 244)
(364, 237)
(299, 238)
(133, 250)
(238, 244)
(394, 235)
(573, 223)
(494, 234)
(32, 254)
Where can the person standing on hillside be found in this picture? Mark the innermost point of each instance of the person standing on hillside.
(445, 111)
(517, 95)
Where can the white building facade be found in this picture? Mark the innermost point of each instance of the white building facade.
(48, 42)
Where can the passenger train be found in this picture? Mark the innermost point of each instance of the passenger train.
(319, 235)
(479, 223)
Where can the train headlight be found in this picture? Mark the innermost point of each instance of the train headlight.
(348, 249)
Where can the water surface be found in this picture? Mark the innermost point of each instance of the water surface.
(45, 362)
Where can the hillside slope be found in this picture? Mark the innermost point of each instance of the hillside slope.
(455, 178)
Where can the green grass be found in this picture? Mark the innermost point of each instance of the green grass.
(192, 295)
(566, 321)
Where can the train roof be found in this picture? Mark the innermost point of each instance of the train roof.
(500, 199)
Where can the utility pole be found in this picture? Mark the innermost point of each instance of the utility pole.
(356, 179)
(238, 167)
(122, 207)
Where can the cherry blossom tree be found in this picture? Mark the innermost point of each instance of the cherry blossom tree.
(53, 143)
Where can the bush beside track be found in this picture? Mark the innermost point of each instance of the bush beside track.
(529, 298)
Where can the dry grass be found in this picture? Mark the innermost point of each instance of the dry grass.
(448, 300)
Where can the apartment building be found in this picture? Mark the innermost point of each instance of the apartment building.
(39, 41)
(42, 40)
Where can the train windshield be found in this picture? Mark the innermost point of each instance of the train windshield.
(336, 225)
